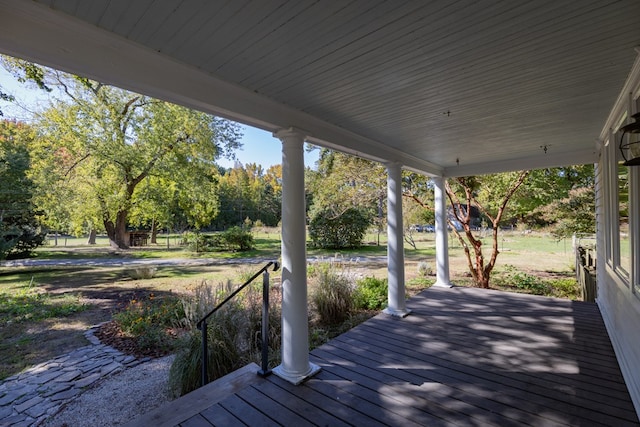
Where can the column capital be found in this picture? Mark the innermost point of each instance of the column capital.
(392, 164)
(291, 133)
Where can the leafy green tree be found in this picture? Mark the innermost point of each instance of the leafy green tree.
(490, 194)
(107, 141)
(575, 213)
(342, 182)
(248, 193)
(345, 230)
(417, 207)
(19, 230)
(544, 187)
(28, 73)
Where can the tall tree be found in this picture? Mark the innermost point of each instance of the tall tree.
(490, 194)
(247, 192)
(108, 141)
(544, 187)
(342, 181)
(19, 230)
(575, 213)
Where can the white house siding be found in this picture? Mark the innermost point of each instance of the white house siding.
(618, 290)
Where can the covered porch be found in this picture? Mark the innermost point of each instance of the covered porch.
(464, 356)
(444, 89)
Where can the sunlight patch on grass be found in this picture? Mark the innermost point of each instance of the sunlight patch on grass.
(31, 304)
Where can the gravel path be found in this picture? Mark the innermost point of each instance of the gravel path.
(94, 385)
(119, 398)
(133, 262)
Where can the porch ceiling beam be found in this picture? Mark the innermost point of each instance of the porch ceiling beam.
(37, 33)
(550, 159)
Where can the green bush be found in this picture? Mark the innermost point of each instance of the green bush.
(526, 282)
(565, 288)
(371, 293)
(331, 294)
(198, 242)
(148, 321)
(235, 238)
(330, 231)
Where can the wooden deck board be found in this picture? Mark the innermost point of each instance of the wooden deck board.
(246, 413)
(195, 421)
(605, 387)
(280, 413)
(463, 357)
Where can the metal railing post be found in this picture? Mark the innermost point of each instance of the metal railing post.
(204, 361)
(202, 323)
(265, 371)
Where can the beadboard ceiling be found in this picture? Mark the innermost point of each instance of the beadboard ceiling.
(442, 87)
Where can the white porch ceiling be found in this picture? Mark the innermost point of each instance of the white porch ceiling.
(443, 87)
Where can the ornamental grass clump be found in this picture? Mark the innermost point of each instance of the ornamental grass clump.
(142, 273)
(233, 334)
(331, 293)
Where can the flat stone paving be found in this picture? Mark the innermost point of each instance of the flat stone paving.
(40, 392)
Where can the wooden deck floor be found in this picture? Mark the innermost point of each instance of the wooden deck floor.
(462, 357)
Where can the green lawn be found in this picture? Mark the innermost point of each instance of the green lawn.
(45, 310)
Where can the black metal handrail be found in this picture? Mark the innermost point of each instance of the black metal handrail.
(202, 323)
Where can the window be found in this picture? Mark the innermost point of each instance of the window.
(623, 230)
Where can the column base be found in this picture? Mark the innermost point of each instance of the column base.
(443, 285)
(295, 378)
(396, 313)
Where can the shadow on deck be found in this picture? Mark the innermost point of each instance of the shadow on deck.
(463, 356)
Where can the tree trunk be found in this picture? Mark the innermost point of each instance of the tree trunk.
(483, 282)
(154, 232)
(121, 230)
(117, 232)
(92, 237)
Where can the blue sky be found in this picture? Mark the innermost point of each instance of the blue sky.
(262, 148)
(258, 146)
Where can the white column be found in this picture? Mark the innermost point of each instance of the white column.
(395, 243)
(442, 248)
(295, 366)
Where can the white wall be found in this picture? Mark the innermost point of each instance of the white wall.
(619, 289)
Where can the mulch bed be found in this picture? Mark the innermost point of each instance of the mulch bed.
(111, 334)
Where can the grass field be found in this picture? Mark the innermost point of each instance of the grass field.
(45, 310)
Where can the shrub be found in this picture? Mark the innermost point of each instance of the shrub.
(235, 238)
(565, 288)
(331, 294)
(371, 293)
(526, 282)
(149, 321)
(198, 242)
(331, 231)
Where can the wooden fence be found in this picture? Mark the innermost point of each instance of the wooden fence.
(586, 271)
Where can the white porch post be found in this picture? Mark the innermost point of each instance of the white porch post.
(442, 249)
(395, 244)
(295, 366)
